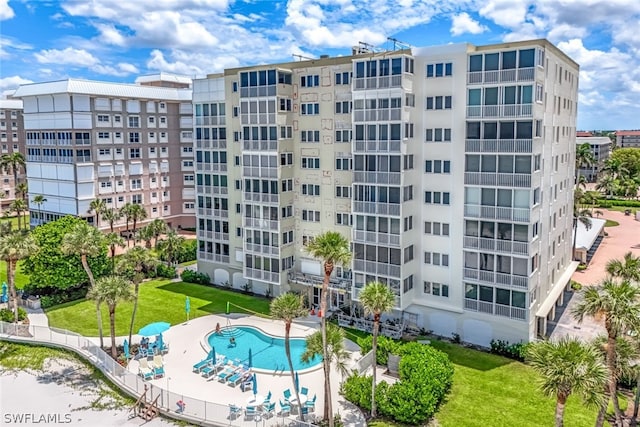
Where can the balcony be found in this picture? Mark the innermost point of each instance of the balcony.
(207, 189)
(393, 178)
(501, 76)
(520, 180)
(211, 167)
(265, 276)
(335, 284)
(262, 224)
(260, 197)
(509, 110)
(393, 146)
(498, 145)
(260, 145)
(203, 143)
(259, 172)
(211, 121)
(372, 267)
(514, 313)
(393, 114)
(373, 237)
(495, 212)
(262, 249)
(399, 80)
(376, 208)
(223, 259)
(502, 279)
(496, 245)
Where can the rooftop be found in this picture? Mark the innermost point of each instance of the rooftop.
(593, 140)
(628, 133)
(11, 104)
(585, 238)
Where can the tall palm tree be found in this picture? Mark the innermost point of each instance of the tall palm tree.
(133, 264)
(12, 163)
(583, 216)
(39, 201)
(617, 303)
(146, 234)
(584, 158)
(127, 212)
(159, 227)
(627, 269)
(22, 189)
(376, 298)
(111, 290)
(615, 168)
(287, 307)
(607, 184)
(138, 213)
(111, 216)
(333, 249)
(170, 246)
(99, 207)
(566, 367)
(113, 240)
(20, 208)
(14, 247)
(85, 241)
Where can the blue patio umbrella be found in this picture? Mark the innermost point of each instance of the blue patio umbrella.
(297, 382)
(4, 297)
(255, 384)
(154, 329)
(250, 358)
(187, 307)
(125, 346)
(212, 354)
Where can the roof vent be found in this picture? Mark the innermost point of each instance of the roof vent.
(324, 56)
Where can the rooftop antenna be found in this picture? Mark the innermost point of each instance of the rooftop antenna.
(302, 58)
(367, 47)
(397, 43)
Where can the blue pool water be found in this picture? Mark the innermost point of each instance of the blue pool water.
(267, 352)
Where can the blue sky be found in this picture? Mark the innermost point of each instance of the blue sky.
(117, 40)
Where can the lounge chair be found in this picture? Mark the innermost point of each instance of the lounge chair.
(158, 372)
(247, 384)
(234, 411)
(144, 370)
(238, 377)
(269, 409)
(311, 404)
(201, 365)
(213, 368)
(226, 372)
(285, 408)
(287, 395)
(157, 361)
(268, 398)
(250, 412)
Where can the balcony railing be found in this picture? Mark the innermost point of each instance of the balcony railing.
(504, 246)
(260, 197)
(259, 172)
(260, 145)
(393, 178)
(376, 208)
(515, 313)
(265, 276)
(507, 280)
(373, 237)
(372, 267)
(393, 146)
(224, 259)
(393, 114)
(263, 224)
(521, 180)
(211, 167)
(498, 145)
(204, 143)
(316, 281)
(382, 82)
(501, 76)
(509, 110)
(261, 249)
(495, 212)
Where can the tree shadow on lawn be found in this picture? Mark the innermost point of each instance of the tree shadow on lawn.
(64, 305)
(470, 358)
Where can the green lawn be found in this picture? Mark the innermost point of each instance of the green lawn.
(611, 223)
(490, 390)
(21, 278)
(14, 221)
(159, 300)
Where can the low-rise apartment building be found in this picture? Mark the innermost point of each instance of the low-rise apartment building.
(600, 148)
(628, 138)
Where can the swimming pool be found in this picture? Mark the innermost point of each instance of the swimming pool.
(267, 352)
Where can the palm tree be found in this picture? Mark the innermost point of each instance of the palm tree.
(332, 248)
(111, 216)
(127, 212)
(99, 207)
(146, 234)
(19, 207)
(12, 163)
(111, 290)
(133, 264)
(159, 227)
(584, 158)
(22, 189)
(376, 298)
(39, 201)
(607, 184)
(287, 307)
(138, 213)
(627, 269)
(583, 216)
(170, 246)
(14, 247)
(568, 367)
(85, 241)
(615, 168)
(113, 240)
(618, 304)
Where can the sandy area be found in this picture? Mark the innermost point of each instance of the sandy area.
(63, 393)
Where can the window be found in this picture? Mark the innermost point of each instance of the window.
(103, 118)
(286, 159)
(310, 109)
(287, 211)
(436, 289)
(342, 78)
(287, 237)
(134, 137)
(343, 107)
(407, 284)
(343, 218)
(310, 216)
(438, 166)
(435, 258)
(438, 102)
(287, 185)
(104, 152)
(137, 199)
(285, 104)
(310, 136)
(136, 184)
(310, 81)
(436, 198)
(134, 121)
(438, 135)
(188, 179)
(343, 136)
(343, 164)
(439, 69)
(436, 228)
(343, 192)
(310, 189)
(310, 163)
(134, 153)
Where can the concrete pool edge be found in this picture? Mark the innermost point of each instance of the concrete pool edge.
(204, 343)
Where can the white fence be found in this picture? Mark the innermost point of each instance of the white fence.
(196, 411)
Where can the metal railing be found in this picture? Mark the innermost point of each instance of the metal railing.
(197, 411)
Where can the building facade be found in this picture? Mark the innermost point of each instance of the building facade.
(450, 169)
(122, 143)
(628, 138)
(12, 141)
(600, 148)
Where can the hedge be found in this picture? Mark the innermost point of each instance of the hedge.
(623, 203)
(6, 315)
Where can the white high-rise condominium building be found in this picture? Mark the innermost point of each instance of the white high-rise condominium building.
(123, 143)
(449, 168)
(11, 141)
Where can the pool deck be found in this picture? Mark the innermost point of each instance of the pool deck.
(187, 346)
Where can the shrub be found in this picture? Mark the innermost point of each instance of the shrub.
(426, 375)
(624, 203)
(512, 351)
(166, 271)
(60, 297)
(385, 346)
(576, 286)
(581, 267)
(6, 315)
(188, 251)
(191, 276)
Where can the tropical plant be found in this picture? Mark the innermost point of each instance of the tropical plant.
(627, 269)
(145, 234)
(99, 207)
(111, 290)
(287, 307)
(579, 216)
(12, 163)
(138, 213)
(19, 206)
(376, 298)
(170, 246)
(616, 303)
(132, 265)
(566, 367)
(584, 158)
(607, 184)
(85, 241)
(111, 216)
(22, 189)
(159, 227)
(39, 201)
(335, 350)
(333, 249)
(113, 240)
(14, 247)
(127, 212)
(615, 168)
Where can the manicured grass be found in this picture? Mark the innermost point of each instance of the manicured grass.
(21, 278)
(21, 356)
(623, 208)
(14, 221)
(611, 223)
(490, 390)
(159, 300)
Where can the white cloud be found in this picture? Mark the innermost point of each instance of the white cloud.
(69, 55)
(158, 62)
(110, 35)
(462, 23)
(6, 12)
(12, 83)
(506, 13)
